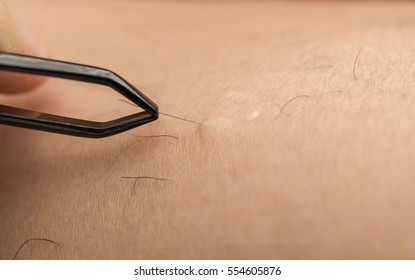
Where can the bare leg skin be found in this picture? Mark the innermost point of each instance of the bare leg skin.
(305, 147)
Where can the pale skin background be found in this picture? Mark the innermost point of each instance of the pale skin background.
(328, 175)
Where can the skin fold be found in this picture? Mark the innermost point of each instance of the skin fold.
(304, 149)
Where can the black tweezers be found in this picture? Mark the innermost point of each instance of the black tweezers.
(71, 126)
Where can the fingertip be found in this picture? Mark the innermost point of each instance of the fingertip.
(33, 46)
(19, 83)
(17, 38)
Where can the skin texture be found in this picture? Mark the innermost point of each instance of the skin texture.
(305, 148)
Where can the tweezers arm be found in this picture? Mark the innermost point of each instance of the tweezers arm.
(70, 126)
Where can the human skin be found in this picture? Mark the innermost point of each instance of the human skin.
(326, 175)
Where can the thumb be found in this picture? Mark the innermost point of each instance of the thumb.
(16, 38)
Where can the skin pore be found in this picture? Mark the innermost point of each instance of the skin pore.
(303, 151)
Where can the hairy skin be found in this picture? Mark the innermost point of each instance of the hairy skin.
(328, 174)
